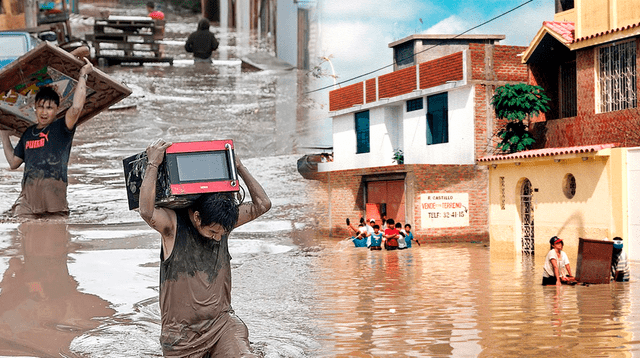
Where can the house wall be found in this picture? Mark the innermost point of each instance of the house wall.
(345, 190)
(554, 213)
(588, 127)
(470, 78)
(459, 149)
(594, 16)
(497, 63)
(391, 128)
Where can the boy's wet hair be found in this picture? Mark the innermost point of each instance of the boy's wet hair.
(376, 227)
(47, 94)
(218, 208)
(390, 222)
(408, 225)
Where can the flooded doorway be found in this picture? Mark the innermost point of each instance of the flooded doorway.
(526, 217)
(385, 197)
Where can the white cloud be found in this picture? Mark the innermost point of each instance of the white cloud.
(375, 9)
(356, 48)
(451, 25)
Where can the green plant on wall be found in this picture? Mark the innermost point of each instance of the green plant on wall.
(517, 103)
(398, 156)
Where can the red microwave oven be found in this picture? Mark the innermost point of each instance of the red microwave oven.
(188, 170)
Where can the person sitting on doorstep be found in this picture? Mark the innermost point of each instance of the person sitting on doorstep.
(619, 262)
(376, 238)
(391, 236)
(556, 269)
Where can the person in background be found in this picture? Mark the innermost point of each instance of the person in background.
(376, 238)
(556, 269)
(401, 241)
(359, 236)
(44, 149)
(391, 236)
(153, 13)
(202, 43)
(369, 227)
(409, 236)
(619, 262)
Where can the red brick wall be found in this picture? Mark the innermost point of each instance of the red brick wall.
(497, 63)
(588, 127)
(346, 97)
(439, 71)
(343, 193)
(371, 90)
(397, 83)
(507, 65)
(477, 55)
(486, 124)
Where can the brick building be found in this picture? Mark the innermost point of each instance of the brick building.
(581, 181)
(438, 113)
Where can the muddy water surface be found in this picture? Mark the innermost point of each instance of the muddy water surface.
(88, 286)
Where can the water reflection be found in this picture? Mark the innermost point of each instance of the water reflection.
(41, 309)
(454, 300)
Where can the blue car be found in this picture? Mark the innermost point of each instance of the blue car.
(14, 45)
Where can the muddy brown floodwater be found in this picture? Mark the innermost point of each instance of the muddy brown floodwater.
(88, 286)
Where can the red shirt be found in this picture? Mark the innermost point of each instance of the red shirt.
(392, 242)
(156, 15)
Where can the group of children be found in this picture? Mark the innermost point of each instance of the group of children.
(392, 236)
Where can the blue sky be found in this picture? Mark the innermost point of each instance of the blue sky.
(356, 33)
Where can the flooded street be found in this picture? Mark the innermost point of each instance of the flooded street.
(88, 286)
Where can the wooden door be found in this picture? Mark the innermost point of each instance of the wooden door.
(389, 198)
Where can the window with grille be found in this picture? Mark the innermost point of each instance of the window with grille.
(617, 77)
(415, 104)
(568, 92)
(362, 132)
(437, 119)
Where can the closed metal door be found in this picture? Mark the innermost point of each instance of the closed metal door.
(526, 210)
(391, 195)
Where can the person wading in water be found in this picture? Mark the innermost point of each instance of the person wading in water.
(44, 148)
(195, 269)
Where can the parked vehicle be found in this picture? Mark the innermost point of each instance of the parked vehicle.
(14, 45)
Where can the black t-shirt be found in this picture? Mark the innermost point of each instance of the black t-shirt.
(45, 152)
(202, 43)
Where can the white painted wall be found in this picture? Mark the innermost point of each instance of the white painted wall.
(459, 149)
(392, 128)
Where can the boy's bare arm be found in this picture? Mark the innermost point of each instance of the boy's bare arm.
(14, 162)
(79, 96)
(161, 219)
(260, 202)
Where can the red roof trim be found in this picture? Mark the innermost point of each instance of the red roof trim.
(565, 29)
(548, 152)
(607, 32)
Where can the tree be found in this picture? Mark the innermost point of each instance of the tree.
(517, 103)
